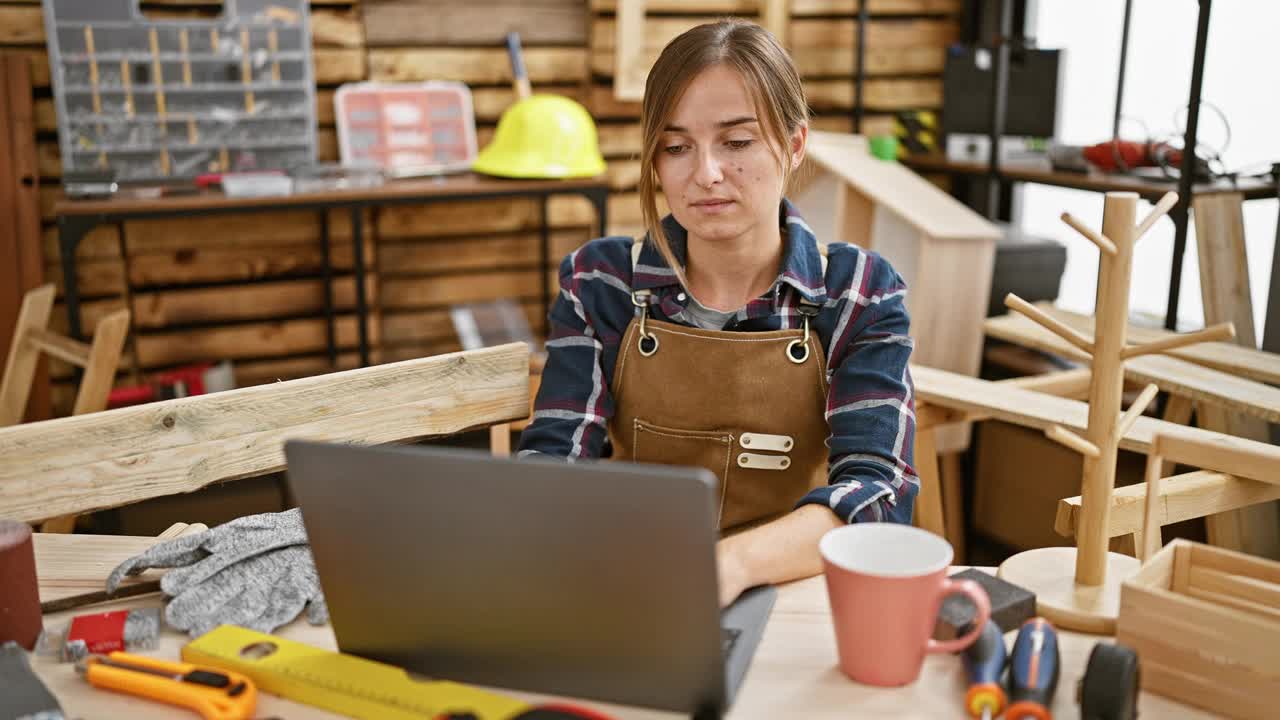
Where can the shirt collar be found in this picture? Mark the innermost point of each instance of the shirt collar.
(801, 261)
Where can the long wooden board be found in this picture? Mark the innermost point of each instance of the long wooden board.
(1179, 372)
(1037, 410)
(176, 446)
(1227, 357)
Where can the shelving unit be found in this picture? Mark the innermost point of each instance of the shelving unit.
(165, 99)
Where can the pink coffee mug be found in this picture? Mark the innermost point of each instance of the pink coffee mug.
(885, 582)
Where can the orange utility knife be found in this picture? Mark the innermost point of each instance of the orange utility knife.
(215, 694)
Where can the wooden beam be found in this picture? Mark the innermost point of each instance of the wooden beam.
(476, 66)
(1226, 357)
(1037, 410)
(472, 22)
(59, 346)
(176, 446)
(1182, 497)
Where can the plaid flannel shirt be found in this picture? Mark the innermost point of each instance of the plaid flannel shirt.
(863, 326)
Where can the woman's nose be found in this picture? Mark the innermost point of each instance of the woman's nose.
(708, 172)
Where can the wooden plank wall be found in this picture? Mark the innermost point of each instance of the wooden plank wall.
(424, 259)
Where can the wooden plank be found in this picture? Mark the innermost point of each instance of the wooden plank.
(488, 103)
(623, 174)
(338, 65)
(20, 365)
(46, 115)
(805, 33)
(475, 253)
(1227, 357)
(620, 140)
(1223, 387)
(49, 159)
(336, 28)
(402, 292)
(798, 7)
(821, 62)
(260, 372)
(181, 445)
(878, 94)
(1037, 410)
(1183, 497)
(154, 310)
(21, 25)
(472, 22)
(255, 340)
(428, 326)
(198, 265)
(324, 107)
(476, 65)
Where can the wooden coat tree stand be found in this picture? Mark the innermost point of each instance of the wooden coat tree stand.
(1079, 588)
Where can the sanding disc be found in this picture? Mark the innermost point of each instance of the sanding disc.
(20, 602)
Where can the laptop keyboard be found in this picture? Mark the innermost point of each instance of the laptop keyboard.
(728, 637)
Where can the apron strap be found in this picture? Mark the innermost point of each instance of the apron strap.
(646, 342)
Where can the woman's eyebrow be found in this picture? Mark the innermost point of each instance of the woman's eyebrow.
(722, 124)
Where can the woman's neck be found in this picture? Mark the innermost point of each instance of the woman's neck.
(727, 275)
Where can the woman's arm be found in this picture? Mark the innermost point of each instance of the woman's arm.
(783, 550)
(574, 404)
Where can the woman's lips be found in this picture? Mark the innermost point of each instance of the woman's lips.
(712, 207)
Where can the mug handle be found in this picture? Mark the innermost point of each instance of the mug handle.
(980, 600)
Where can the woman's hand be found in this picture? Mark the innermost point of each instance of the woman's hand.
(732, 573)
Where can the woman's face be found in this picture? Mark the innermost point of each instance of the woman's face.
(721, 178)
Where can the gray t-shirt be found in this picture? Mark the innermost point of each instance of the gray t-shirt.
(706, 318)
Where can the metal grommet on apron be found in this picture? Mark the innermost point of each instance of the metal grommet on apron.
(748, 406)
(640, 299)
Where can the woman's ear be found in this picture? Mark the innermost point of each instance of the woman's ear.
(798, 140)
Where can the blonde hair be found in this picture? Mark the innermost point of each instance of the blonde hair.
(770, 77)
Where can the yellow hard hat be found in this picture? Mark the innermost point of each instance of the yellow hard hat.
(543, 136)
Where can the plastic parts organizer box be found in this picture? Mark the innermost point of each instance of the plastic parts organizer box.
(175, 98)
(406, 128)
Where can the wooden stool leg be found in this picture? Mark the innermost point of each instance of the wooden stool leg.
(953, 503)
(928, 509)
(20, 368)
(500, 439)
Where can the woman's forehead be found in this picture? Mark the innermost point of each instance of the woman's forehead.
(715, 96)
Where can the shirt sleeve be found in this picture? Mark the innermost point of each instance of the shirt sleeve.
(870, 403)
(574, 404)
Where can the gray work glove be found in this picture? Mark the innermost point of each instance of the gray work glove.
(254, 571)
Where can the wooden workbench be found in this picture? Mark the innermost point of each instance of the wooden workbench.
(793, 674)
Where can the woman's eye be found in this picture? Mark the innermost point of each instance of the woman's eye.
(674, 149)
(738, 144)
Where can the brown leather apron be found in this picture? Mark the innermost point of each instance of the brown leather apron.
(748, 406)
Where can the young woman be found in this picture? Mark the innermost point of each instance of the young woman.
(726, 338)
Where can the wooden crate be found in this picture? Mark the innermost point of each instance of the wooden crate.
(1206, 625)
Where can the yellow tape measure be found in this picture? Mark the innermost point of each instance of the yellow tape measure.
(345, 684)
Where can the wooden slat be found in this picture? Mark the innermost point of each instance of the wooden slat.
(338, 65)
(798, 7)
(21, 25)
(340, 28)
(472, 22)
(1183, 497)
(49, 159)
(401, 328)
(59, 346)
(260, 372)
(181, 445)
(154, 310)
(1037, 410)
(824, 62)
(254, 340)
(620, 140)
(879, 93)
(401, 292)
(805, 33)
(489, 103)
(1227, 357)
(196, 265)
(475, 253)
(476, 65)
(1171, 372)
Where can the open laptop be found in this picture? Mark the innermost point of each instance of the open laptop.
(591, 580)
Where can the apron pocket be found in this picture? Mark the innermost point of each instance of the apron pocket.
(710, 449)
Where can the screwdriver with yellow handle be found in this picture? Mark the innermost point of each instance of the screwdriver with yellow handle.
(984, 665)
(214, 694)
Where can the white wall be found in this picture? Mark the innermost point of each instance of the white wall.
(1240, 78)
